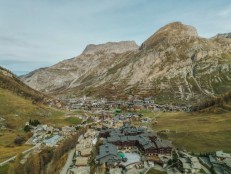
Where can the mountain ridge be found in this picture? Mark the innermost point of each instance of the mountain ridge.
(10, 82)
(172, 65)
(111, 47)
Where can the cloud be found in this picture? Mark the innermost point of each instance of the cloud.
(35, 34)
(225, 12)
(11, 40)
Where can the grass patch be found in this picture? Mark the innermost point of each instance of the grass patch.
(202, 141)
(7, 146)
(147, 113)
(7, 137)
(73, 120)
(4, 169)
(202, 171)
(7, 152)
(153, 171)
(80, 112)
(197, 132)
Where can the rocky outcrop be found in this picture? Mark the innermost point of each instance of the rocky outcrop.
(6, 72)
(111, 47)
(174, 65)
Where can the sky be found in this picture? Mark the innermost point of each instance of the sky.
(40, 33)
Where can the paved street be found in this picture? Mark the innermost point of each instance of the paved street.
(13, 158)
(68, 162)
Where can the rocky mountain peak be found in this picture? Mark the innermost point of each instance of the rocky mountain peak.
(111, 47)
(178, 28)
(171, 33)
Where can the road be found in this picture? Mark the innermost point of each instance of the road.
(68, 162)
(205, 169)
(24, 152)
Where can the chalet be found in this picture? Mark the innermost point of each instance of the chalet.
(85, 144)
(81, 161)
(188, 165)
(221, 163)
(107, 155)
(152, 136)
(183, 165)
(68, 130)
(147, 146)
(164, 146)
(86, 152)
(128, 136)
(104, 133)
(128, 130)
(220, 155)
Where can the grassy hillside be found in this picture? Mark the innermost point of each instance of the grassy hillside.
(10, 82)
(16, 110)
(197, 132)
(18, 104)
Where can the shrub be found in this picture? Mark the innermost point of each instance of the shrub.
(19, 140)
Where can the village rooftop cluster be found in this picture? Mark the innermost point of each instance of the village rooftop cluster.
(90, 104)
(112, 144)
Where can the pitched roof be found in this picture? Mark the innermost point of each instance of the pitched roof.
(81, 161)
(221, 154)
(163, 143)
(107, 153)
(185, 163)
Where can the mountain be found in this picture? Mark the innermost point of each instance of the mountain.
(224, 35)
(174, 65)
(94, 61)
(11, 83)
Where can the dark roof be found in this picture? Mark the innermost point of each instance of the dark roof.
(128, 133)
(108, 147)
(149, 145)
(107, 153)
(133, 138)
(163, 143)
(113, 139)
(152, 134)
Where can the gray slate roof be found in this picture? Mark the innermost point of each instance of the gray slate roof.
(107, 153)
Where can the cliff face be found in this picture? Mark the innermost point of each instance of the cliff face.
(173, 65)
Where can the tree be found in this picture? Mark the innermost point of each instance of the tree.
(34, 122)
(27, 128)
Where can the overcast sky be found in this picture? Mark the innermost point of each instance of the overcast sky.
(39, 33)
